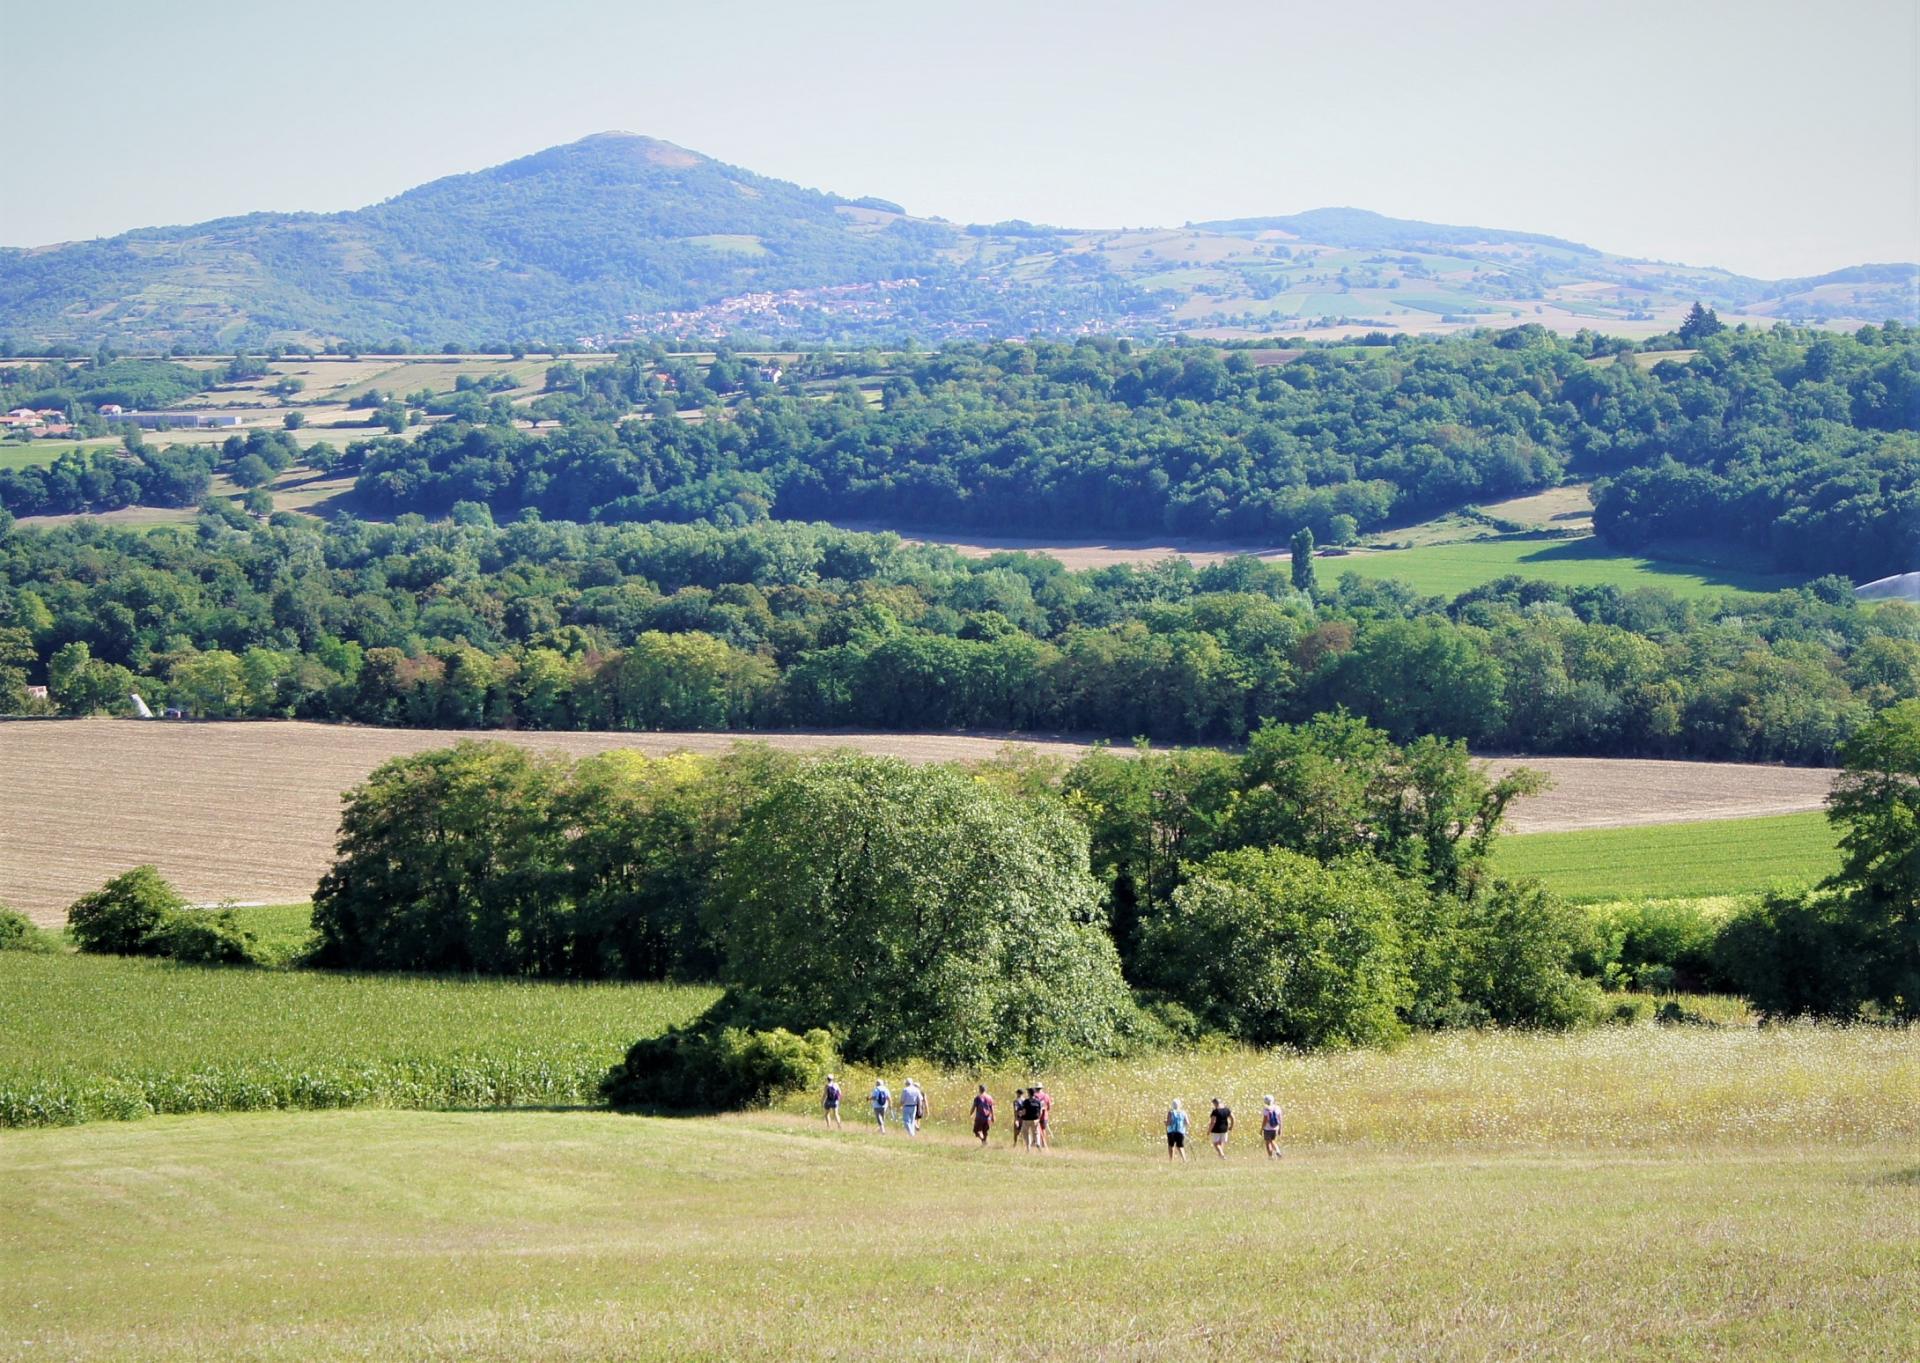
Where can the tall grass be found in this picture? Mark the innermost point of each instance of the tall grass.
(1609, 1087)
(85, 1038)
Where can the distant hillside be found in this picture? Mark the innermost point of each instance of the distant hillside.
(619, 235)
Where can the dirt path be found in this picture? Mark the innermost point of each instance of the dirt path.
(247, 812)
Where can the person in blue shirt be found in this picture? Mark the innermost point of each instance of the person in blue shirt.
(1176, 1130)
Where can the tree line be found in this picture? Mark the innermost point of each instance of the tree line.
(534, 625)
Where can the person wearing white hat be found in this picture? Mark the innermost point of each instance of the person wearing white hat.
(1271, 1119)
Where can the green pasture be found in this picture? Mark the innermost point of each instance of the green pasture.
(1449, 569)
(1635, 1193)
(1675, 860)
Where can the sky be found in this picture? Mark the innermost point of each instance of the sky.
(1771, 137)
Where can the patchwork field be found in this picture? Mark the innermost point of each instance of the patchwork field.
(91, 798)
(1631, 1194)
(1727, 856)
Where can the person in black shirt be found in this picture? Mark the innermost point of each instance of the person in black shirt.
(1219, 1123)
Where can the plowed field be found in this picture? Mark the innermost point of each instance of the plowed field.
(247, 812)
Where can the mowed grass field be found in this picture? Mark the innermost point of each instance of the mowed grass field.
(1676, 860)
(1634, 1193)
(1449, 569)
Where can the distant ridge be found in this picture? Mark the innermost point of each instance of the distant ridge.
(621, 235)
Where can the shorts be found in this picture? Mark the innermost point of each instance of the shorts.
(1176, 1140)
(1219, 1138)
(982, 1125)
(831, 1107)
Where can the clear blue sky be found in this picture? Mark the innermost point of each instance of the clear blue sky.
(1774, 137)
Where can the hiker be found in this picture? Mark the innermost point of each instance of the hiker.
(1271, 1119)
(1046, 1116)
(982, 1115)
(1176, 1131)
(1219, 1124)
(831, 1101)
(913, 1106)
(1030, 1119)
(1019, 1113)
(882, 1100)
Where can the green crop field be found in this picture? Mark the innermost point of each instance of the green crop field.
(1633, 1193)
(1449, 569)
(1713, 857)
(84, 1037)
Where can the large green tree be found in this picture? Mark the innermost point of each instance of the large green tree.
(917, 911)
(1876, 804)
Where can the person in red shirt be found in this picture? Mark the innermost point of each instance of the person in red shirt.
(982, 1115)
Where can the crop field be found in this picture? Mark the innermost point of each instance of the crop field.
(92, 798)
(1632, 1193)
(89, 1037)
(1724, 856)
(1449, 569)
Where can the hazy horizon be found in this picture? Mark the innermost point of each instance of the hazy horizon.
(1658, 131)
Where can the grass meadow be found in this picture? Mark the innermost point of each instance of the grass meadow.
(1634, 1193)
(1675, 860)
(1449, 569)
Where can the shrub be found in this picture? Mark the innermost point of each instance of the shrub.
(128, 916)
(20, 933)
(208, 939)
(1796, 955)
(708, 1068)
(1652, 944)
(1275, 947)
(1517, 944)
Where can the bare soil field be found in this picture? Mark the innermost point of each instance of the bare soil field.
(247, 811)
(1088, 553)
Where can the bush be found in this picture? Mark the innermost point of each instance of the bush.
(1275, 947)
(128, 916)
(1796, 955)
(1658, 945)
(1517, 944)
(709, 1068)
(20, 933)
(202, 938)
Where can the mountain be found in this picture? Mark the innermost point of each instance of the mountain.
(619, 235)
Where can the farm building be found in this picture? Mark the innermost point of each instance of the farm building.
(161, 421)
(1899, 587)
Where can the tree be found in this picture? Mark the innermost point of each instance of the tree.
(128, 916)
(917, 912)
(1300, 559)
(293, 421)
(1876, 801)
(450, 860)
(1701, 322)
(1277, 948)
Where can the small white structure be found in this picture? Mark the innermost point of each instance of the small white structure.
(140, 707)
(1899, 587)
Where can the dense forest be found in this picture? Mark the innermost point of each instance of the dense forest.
(660, 626)
(1801, 447)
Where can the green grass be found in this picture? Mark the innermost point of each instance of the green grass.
(1449, 569)
(280, 931)
(1505, 1217)
(16, 455)
(1675, 860)
(83, 1038)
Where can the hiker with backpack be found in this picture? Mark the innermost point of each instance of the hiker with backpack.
(882, 1099)
(1271, 1119)
(1019, 1114)
(830, 1101)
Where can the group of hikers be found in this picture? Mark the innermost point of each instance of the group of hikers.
(1033, 1117)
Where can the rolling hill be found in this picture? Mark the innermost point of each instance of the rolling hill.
(619, 235)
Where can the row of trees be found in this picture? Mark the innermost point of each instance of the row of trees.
(1326, 889)
(466, 625)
